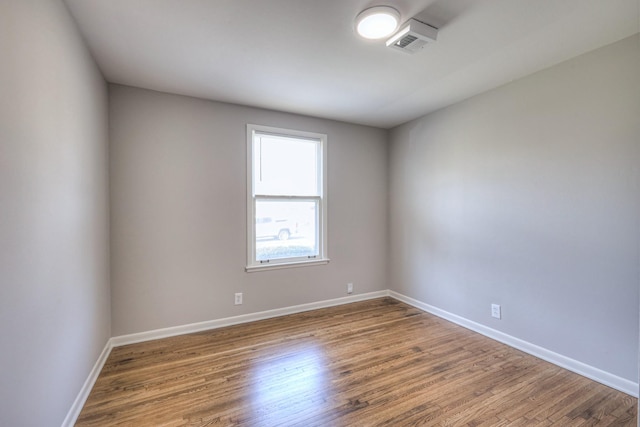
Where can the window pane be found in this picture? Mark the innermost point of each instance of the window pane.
(286, 197)
(286, 229)
(277, 159)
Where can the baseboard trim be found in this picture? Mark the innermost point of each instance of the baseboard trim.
(613, 381)
(76, 408)
(236, 320)
(595, 374)
(74, 412)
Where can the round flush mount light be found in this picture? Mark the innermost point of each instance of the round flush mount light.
(377, 22)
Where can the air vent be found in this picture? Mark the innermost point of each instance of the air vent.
(413, 36)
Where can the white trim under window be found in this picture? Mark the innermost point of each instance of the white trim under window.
(286, 198)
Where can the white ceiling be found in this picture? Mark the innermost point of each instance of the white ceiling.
(302, 56)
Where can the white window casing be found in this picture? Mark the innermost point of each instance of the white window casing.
(286, 198)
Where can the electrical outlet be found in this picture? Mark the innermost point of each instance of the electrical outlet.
(239, 298)
(349, 288)
(495, 311)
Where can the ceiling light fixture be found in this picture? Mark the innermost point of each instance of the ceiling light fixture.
(377, 22)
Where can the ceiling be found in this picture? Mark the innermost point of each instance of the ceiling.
(303, 56)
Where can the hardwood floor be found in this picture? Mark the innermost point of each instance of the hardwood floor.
(372, 363)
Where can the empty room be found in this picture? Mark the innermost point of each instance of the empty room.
(319, 212)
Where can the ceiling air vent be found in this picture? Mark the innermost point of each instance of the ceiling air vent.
(413, 36)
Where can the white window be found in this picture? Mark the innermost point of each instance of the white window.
(286, 198)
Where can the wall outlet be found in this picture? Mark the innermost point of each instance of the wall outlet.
(239, 298)
(495, 311)
(349, 288)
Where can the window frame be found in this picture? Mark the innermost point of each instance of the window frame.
(252, 263)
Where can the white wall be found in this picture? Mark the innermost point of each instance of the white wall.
(54, 290)
(529, 196)
(178, 203)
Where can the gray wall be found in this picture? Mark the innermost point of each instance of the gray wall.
(54, 290)
(178, 203)
(529, 196)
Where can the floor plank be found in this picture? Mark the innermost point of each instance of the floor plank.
(371, 363)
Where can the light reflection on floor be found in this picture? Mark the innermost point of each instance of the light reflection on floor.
(290, 385)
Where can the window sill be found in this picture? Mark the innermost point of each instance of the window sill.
(256, 268)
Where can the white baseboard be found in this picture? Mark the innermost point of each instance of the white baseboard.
(583, 369)
(74, 412)
(573, 365)
(245, 318)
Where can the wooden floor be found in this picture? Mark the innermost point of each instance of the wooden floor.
(371, 363)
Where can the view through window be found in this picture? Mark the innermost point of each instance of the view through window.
(287, 215)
